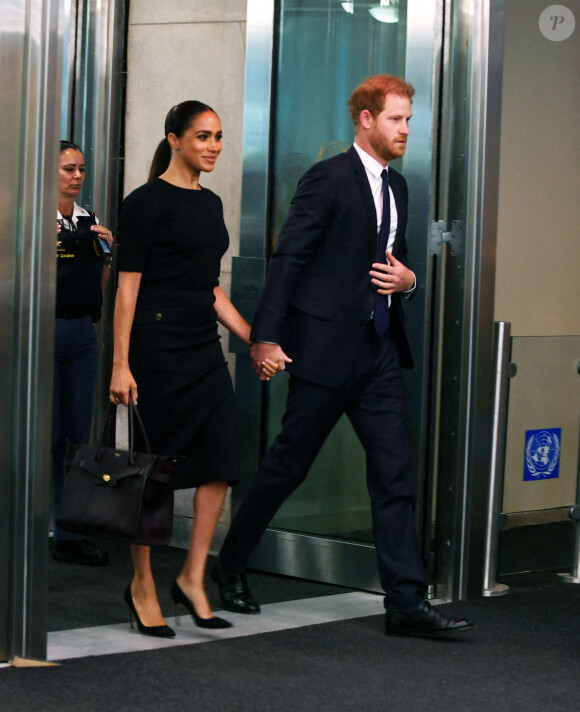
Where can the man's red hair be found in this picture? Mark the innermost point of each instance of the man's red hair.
(372, 92)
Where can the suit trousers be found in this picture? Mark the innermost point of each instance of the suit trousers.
(373, 398)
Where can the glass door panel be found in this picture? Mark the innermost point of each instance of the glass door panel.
(322, 50)
(326, 48)
(333, 501)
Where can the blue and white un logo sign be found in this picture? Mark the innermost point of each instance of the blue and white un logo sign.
(542, 457)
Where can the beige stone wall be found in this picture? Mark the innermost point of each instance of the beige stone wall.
(179, 50)
(538, 260)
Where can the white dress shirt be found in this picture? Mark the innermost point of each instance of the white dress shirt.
(77, 211)
(374, 170)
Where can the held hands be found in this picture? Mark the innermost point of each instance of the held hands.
(122, 386)
(268, 359)
(392, 277)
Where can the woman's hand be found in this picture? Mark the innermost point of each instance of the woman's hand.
(123, 386)
(122, 382)
(102, 232)
(269, 370)
(268, 359)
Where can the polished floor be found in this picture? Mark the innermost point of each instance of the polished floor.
(117, 638)
(314, 647)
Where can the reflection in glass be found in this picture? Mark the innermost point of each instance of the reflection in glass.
(68, 13)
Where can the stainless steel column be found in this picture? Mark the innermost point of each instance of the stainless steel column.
(31, 47)
(469, 169)
(574, 513)
(97, 127)
(30, 70)
(502, 375)
(249, 269)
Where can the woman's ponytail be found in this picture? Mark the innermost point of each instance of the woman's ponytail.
(161, 159)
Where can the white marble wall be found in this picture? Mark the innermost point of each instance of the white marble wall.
(181, 50)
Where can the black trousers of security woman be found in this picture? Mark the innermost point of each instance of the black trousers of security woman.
(76, 358)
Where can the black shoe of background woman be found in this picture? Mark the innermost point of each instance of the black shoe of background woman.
(79, 551)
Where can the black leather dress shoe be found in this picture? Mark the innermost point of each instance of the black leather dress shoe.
(79, 551)
(234, 590)
(424, 622)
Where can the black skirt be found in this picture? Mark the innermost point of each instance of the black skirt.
(185, 393)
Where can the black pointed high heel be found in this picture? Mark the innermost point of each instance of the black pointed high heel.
(180, 598)
(157, 631)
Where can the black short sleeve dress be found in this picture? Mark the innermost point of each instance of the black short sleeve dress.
(175, 238)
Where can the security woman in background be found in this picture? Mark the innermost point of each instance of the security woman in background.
(83, 252)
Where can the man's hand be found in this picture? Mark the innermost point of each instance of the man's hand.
(392, 277)
(268, 359)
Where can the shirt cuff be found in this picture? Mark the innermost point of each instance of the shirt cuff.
(413, 288)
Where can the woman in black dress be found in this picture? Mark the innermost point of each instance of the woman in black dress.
(166, 345)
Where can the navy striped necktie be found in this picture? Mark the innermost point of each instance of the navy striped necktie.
(382, 318)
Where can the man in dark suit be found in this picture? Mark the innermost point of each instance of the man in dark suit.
(331, 314)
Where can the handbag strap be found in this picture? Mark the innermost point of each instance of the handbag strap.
(133, 416)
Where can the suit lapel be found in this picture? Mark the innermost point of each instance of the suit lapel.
(401, 209)
(364, 188)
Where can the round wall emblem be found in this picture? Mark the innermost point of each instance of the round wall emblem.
(557, 23)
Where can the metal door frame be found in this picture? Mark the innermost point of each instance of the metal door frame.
(33, 41)
(31, 48)
(97, 125)
(470, 123)
(467, 113)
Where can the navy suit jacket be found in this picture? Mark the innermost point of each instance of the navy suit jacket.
(318, 297)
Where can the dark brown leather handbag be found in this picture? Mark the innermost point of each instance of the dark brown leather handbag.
(124, 495)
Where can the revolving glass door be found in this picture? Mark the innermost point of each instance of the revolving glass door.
(324, 49)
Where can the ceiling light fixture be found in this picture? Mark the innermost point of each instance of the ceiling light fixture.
(385, 11)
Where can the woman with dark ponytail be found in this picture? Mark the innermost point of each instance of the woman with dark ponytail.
(161, 159)
(166, 345)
